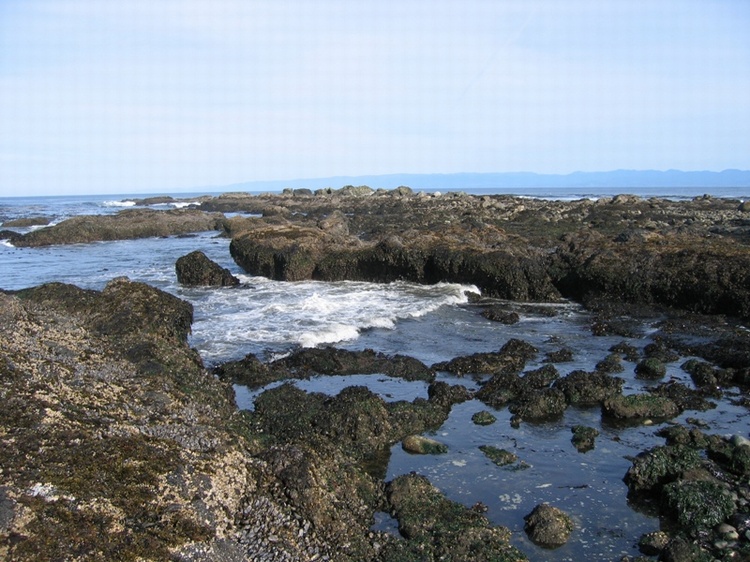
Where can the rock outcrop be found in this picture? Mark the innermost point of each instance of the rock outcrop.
(118, 444)
(125, 225)
(197, 270)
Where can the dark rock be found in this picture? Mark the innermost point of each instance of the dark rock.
(694, 273)
(628, 351)
(195, 269)
(511, 358)
(638, 407)
(651, 369)
(681, 435)
(702, 373)
(658, 350)
(588, 389)
(680, 550)
(292, 252)
(563, 355)
(336, 223)
(610, 364)
(653, 543)
(252, 372)
(538, 405)
(125, 225)
(500, 389)
(420, 445)
(697, 505)
(436, 528)
(333, 361)
(685, 398)
(483, 418)
(541, 377)
(7, 510)
(27, 222)
(583, 437)
(136, 459)
(11, 236)
(653, 469)
(500, 457)
(356, 421)
(446, 395)
(500, 314)
(548, 526)
(157, 200)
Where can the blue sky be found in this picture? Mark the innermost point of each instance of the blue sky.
(98, 96)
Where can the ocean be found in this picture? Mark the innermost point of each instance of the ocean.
(431, 323)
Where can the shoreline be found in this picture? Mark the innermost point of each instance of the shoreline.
(89, 373)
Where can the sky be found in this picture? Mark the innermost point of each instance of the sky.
(98, 96)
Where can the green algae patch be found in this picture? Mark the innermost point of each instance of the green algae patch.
(653, 469)
(638, 407)
(500, 457)
(436, 528)
(698, 505)
(483, 418)
(583, 437)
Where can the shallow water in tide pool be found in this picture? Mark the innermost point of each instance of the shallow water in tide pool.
(432, 324)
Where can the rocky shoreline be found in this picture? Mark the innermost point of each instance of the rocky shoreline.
(120, 440)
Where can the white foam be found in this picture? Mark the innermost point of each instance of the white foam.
(273, 314)
(118, 203)
(183, 204)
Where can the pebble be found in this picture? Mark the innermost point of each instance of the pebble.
(728, 532)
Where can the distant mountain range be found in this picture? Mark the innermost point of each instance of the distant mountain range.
(669, 180)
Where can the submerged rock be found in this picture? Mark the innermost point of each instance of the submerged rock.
(500, 457)
(420, 445)
(483, 418)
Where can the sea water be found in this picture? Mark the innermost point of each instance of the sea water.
(431, 323)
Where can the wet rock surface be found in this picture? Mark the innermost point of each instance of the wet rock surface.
(121, 443)
(125, 225)
(197, 270)
(548, 526)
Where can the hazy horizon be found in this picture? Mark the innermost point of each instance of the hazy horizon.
(157, 96)
(730, 182)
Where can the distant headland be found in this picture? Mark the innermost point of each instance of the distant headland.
(615, 179)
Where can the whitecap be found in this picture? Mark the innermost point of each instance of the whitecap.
(274, 316)
(126, 203)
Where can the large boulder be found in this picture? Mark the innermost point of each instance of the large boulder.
(196, 269)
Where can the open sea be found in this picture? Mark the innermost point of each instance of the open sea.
(431, 323)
